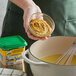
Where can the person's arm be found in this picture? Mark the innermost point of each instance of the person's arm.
(23, 3)
(29, 8)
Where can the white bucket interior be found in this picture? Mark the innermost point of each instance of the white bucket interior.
(53, 45)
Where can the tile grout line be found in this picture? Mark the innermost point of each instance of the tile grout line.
(1, 71)
(11, 73)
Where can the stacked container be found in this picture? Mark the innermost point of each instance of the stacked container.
(11, 48)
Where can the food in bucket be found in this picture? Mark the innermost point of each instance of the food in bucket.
(53, 58)
(11, 48)
(40, 28)
(12, 45)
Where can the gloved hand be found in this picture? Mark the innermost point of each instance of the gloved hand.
(28, 11)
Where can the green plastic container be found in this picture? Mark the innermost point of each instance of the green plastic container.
(11, 44)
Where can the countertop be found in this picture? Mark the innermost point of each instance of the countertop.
(11, 72)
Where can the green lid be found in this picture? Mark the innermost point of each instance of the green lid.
(12, 42)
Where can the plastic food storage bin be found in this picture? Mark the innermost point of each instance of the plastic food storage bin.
(12, 45)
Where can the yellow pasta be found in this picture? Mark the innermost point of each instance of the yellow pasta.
(40, 28)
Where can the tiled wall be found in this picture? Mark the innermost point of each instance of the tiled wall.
(3, 4)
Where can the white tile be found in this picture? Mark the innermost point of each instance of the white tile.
(15, 75)
(24, 74)
(17, 72)
(4, 75)
(1, 70)
(7, 71)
